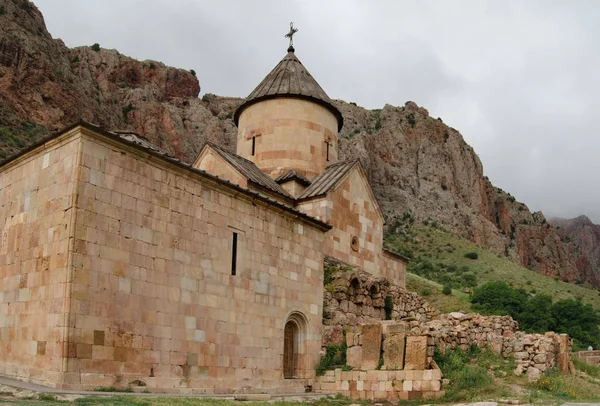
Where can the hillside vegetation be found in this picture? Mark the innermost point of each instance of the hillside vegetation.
(450, 260)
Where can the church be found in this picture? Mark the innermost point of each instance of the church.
(120, 264)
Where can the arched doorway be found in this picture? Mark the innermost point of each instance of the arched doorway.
(289, 352)
(294, 342)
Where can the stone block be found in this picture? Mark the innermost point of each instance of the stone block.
(533, 374)
(563, 363)
(393, 327)
(393, 353)
(563, 343)
(416, 353)
(371, 335)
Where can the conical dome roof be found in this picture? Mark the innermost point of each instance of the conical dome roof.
(290, 79)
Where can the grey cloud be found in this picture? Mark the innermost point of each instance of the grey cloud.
(519, 79)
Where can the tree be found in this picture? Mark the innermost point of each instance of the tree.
(536, 316)
(499, 298)
(579, 321)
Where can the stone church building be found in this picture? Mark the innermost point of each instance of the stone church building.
(121, 264)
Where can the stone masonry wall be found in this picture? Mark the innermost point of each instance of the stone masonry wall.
(352, 211)
(289, 133)
(134, 283)
(153, 295)
(355, 297)
(36, 213)
(590, 357)
(533, 353)
(382, 385)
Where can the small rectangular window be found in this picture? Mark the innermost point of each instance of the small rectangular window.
(253, 145)
(327, 157)
(234, 254)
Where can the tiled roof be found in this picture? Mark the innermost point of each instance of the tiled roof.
(326, 181)
(290, 79)
(249, 170)
(291, 175)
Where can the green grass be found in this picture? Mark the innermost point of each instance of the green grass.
(440, 247)
(432, 292)
(474, 374)
(177, 401)
(591, 370)
(14, 138)
(113, 389)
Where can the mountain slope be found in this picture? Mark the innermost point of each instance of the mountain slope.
(585, 235)
(415, 162)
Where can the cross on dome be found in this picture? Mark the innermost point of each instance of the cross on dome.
(290, 36)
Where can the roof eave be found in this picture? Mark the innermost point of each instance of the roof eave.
(329, 106)
(100, 132)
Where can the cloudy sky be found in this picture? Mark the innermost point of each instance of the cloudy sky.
(519, 79)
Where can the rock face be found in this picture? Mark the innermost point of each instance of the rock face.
(585, 236)
(45, 86)
(418, 164)
(415, 162)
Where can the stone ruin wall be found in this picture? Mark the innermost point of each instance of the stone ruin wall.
(533, 353)
(355, 298)
(589, 357)
(406, 373)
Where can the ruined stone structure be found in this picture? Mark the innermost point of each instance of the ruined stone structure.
(355, 297)
(589, 357)
(406, 373)
(121, 264)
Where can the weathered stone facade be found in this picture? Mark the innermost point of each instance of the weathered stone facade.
(288, 133)
(533, 353)
(120, 264)
(145, 288)
(407, 372)
(383, 385)
(36, 219)
(411, 345)
(355, 297)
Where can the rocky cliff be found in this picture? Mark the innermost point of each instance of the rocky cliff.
(585, 237)
(415, 162)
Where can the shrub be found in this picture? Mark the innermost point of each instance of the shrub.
(444, 186)
(113, 389)
(389, 307)
(96, 47)
(498, 298)
(335, 355)
(553, 381)
(471, 255)
(447, 290)
(426, 292)
(130, 107)
(466, 380)
(46, 397)
(328, 275)
(2, 10)
(578, 320)
(193, 72)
